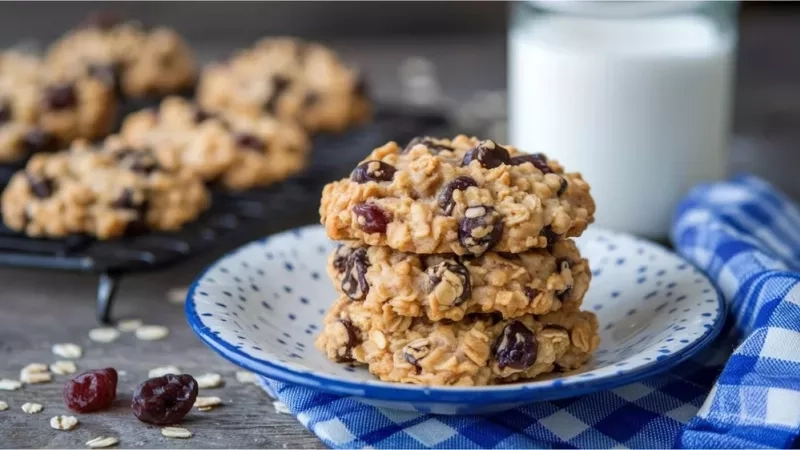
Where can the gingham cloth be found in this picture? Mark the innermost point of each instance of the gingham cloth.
(746, 236)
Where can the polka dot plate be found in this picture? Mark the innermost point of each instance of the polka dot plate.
(262, 306)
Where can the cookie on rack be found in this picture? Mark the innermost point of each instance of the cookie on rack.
(135, 61)
(447, 286)
(479, 350)
(42, 110)
(464, 196)
(289, 79)
(239, 152)
(94, 191)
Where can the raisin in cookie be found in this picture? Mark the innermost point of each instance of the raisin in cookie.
(135, 61)
(239, 152)
(449, 287)
(463, 196)
(290, 79)
(42, 110)
(479, 350)
(93, 191)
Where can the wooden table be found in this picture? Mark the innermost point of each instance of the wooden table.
(43, 308)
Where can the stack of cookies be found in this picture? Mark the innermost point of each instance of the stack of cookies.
(456, 266)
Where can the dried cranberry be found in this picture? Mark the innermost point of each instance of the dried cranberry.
(416, 351)
(376, 171)
(446, 196)
(41, 187)
(340, 257)
(549, 235)
(91, 391)
(488, 153)
(371, 217)
(36, 141)
(537, 159)
(516, 347)
(164, 400)
(250, 142)
(432, 145)
(354, 281)
(353, 339)
(456, 275)
(279, 84)
(5, 111)
(60, 97)
(562, 188)
(530, 292)
(480, 229)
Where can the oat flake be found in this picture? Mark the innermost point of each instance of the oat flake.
(129, 325)
(102, 442)
(205, 408)
(244, 376)
(32, 408)
(63, 367)
(175, 432)
(70, 351)
(9, 385)
(104, 335)
(207, 402)
(209, 380)
(3, 406)
(161, 371)
(151, 332)
(281, 408)
(177, 295)
(64, 423)
(35, 377)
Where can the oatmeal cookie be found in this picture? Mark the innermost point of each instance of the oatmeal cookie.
(290, 79)
(42, 110)
(449, 287)
(239, 152)
(462, 196)
(137, 62)
(97, 192)
(479, 350)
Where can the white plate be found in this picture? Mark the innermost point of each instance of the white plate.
(262, 306)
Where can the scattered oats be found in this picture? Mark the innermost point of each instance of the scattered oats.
(32, 408)
(9, 385)
(129, 325)
(103, 442)
(205, 408)
(244, 376)
(151, 332)
(70, 351)
(63, 367)
(35, 373)
(3, 405)
(175, 432)
(104, 335)
(207, 402)
(177, 295)
(209, 380)
(161, 371)
(122, 373)
(64, 423)
(281, 408)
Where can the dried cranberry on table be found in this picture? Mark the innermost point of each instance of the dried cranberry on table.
(164, 400)
(91, 391)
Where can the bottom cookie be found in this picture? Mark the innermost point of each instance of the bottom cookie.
(479, 350)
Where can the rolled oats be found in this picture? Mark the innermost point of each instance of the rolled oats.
(207, 402)
(35, 373)
(9, 385)
(151, 332)
(63, 367)
(209, 380)
(104, 335)
(177, 295)
(243, 376)
(32, 408)
(70, 351)
(176, 432)
(129, 325)
(102, 442)
(63, 423)
(3, 406)
(161, 371)
(280, 407)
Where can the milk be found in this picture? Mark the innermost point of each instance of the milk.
(640, 106)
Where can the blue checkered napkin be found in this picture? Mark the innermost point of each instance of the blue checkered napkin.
(746, 236)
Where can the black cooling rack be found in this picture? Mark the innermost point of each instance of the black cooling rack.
(255, 212)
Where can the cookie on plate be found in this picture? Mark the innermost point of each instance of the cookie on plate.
(137, 62)
(42, 110)
(289, 79)
(464, 196)
(447, 286)
(87, 190)
(239, 152)
(479, 350)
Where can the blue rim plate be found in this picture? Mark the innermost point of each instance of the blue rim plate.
(262, 305)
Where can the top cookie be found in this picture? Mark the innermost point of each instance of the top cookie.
(137, 62)
(462, 196)
(290, 79)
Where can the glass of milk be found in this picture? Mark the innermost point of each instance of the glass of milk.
(635, 95)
